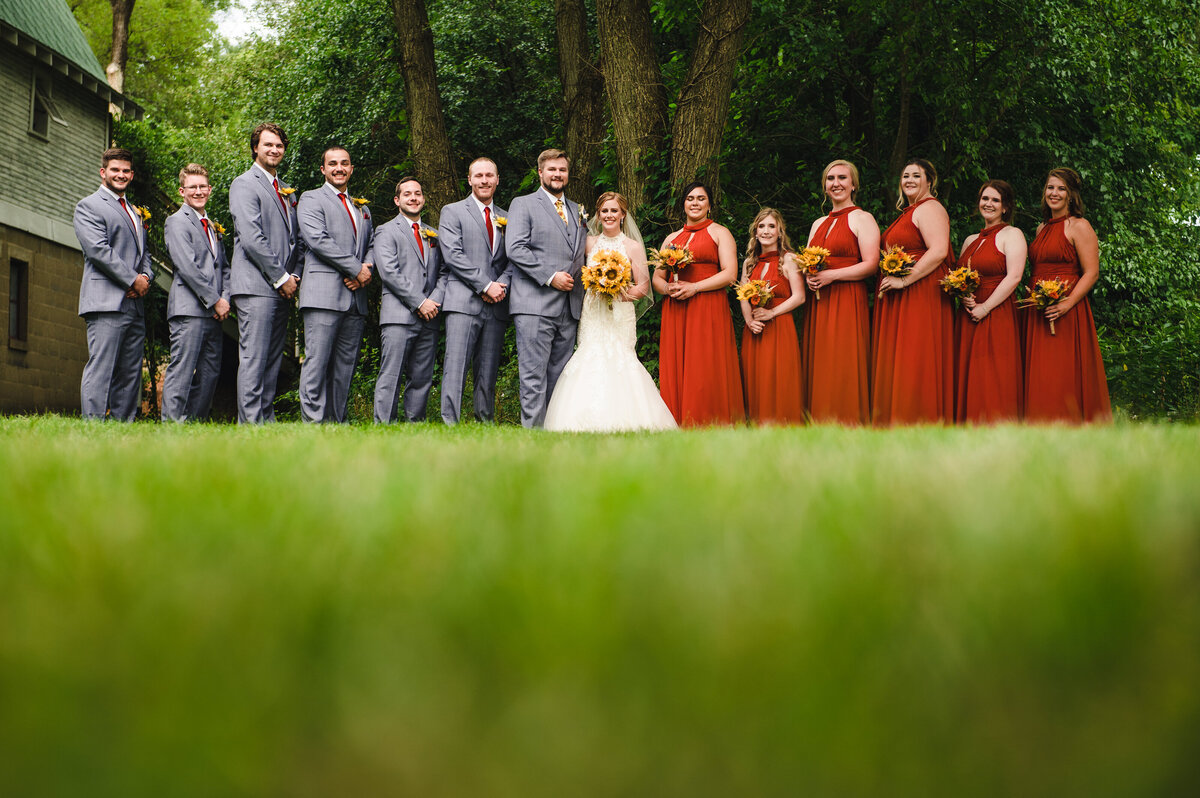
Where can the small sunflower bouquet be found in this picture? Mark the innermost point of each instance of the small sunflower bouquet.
(607, 273)
(961, 282)
(813, 260)
(896, 262)
(1044, 294)
(757, 292)
(670, 259)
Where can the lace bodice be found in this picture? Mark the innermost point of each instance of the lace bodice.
(598, 324)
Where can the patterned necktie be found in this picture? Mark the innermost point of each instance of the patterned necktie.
(417, 235)
(558, 206)
(346, 205)
(207, 234)
(487, 223)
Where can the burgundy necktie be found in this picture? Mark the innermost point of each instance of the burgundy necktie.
(282, 201)
(417, 233)
(487, 222)
(207, 234)
(125, 208)
(346, 205)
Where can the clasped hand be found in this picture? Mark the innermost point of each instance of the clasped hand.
(681, 290)
(364, 277)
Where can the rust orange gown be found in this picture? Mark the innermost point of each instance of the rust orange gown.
(912, 342)
(1064, 373)
(989, 352)
(771, 359)
(697, 359)
(837, 333)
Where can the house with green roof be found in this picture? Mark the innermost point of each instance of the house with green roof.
(54, 118)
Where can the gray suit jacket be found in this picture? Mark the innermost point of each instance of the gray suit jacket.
(201, 276)
(266, 245)
(405, 274)
(538, 245)
(114, 254)
(469, 265)
(333, 250)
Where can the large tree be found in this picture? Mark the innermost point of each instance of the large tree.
(583, 97)
(432, 157)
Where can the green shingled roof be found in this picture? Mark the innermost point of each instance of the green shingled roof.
(52, 23)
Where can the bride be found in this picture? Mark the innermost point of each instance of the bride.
(604, 387)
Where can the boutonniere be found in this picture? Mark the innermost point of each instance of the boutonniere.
(359, 201)
(501, 221)
(430, 235)
(583, 216)
(217, 226)
(287, 192)
(142, 212)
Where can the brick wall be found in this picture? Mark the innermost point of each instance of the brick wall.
(45, 376)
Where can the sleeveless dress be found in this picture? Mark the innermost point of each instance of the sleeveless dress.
(1064, 373)
(604, 387)
(697, 359)
(989, 352)
(837, 333)
(912, 344)
(771, 359)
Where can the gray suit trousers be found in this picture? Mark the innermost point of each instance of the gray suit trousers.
(471, 340)
(544, 345)
(191, 378)
(262, 326)
(332, 339)
(112, 377)
(407, 349)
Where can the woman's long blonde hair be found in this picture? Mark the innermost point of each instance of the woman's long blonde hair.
(754, 249)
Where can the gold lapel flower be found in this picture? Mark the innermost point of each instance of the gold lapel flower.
(501, 221)
(288, 191)
(359, 201)
(216, 226)
(583, 216)
(143, 212)
(429, 232)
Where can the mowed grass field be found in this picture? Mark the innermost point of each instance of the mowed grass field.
(296, 611)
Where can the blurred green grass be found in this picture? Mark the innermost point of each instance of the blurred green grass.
(297, 611)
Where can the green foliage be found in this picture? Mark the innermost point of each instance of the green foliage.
(487, 611)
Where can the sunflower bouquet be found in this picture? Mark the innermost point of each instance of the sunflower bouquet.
(896, 262)
(1044, 294)
(670, 259)
(607, 273)
(757, 292)
(813, 260)
(960, 282)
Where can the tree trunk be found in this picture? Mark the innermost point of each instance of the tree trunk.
(900, 146)
(433, 161)
(122, 10)
(635, 90)
(583, 98)
(703, 102)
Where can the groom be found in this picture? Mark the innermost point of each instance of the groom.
(545, 242)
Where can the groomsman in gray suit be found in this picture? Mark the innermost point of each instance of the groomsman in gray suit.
(409, 261)
(265, 271)
(476, 278)
(198, 302)
(337, 233)
(116, 276)
(546, 238)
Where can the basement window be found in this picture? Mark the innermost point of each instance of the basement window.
(18, 304)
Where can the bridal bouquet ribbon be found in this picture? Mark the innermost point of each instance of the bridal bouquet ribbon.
(961, 282)
(670, 259)
(1044, 294)
(813, 260)
(757, 292)
(607, 274)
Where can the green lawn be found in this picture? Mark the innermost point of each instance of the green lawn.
(290, 611)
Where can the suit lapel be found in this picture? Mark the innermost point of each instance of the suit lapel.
(474, 212)
(548, 205)
(406, 226)
(114, 206)
(268, 190)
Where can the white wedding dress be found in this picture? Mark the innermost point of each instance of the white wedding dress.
(604, 387)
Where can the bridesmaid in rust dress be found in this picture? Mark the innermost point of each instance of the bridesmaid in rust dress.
(837, 326)
(770, 346)
(1064, 373)
(697, 360)
(912, 343)
(989, 346)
